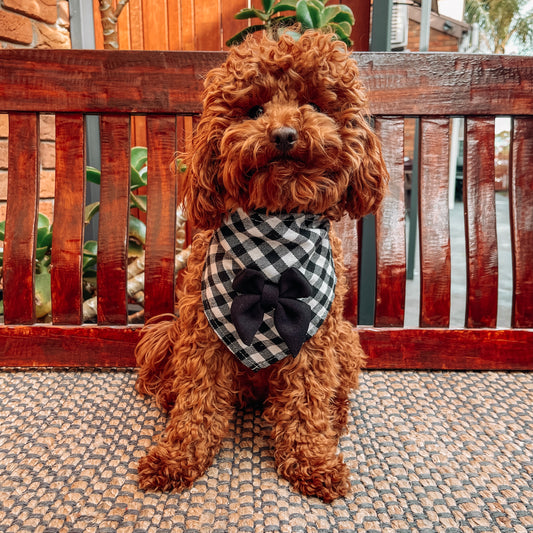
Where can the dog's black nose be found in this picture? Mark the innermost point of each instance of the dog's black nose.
(284, 138)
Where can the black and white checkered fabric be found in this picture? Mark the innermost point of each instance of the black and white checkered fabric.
(270, 244)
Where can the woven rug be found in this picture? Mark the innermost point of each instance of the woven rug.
(429, 452)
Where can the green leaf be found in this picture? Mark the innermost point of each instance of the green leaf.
(88, 262)
(43, 294)
(240, 36)
(93, 175)
(345, 15)
(138, 157)
(2, 230)
(303, 16)
(285, 5)
(249, 13)
(90, 211)
(44, 237)
(137, 229)
(43, 221)
(138, 201)
(267, 5)
(330, 13)
(342, 30)
(90, 248)
(138, 179)
(40, 252)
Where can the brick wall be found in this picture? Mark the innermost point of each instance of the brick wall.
(33, 24)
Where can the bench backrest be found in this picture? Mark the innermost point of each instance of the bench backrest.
(165, 87)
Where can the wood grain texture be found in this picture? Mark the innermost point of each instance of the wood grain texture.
(480, 224)
(163, 82)
(112, 253)
(521, 201)
(68, 346)
(447, 349)
(435, 266)
(390, 229)
(159, 271)
(388, 348)
(21, 218)
(68, 230)
(349, 232)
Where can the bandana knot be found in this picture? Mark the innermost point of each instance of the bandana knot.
(258, 296)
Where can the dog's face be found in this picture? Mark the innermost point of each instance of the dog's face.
(284, 129)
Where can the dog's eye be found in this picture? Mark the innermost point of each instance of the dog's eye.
(255, 112)
(316, 107)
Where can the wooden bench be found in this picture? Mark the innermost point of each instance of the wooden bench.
(165, 86)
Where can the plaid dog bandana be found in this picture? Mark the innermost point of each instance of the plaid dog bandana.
(268, 283)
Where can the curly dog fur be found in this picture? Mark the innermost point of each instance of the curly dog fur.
(332, 166)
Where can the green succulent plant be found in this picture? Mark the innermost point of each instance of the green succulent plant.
(309, 14)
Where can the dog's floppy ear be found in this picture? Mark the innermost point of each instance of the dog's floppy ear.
(369, 178)
(203, 192)
(201, 188)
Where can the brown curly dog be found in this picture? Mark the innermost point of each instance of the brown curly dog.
(283, 144)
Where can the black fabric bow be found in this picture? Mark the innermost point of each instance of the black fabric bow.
(258, 296)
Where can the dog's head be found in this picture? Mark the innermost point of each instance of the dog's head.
(284, 128)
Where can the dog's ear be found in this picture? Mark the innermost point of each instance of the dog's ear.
(369, 177)
(202, 193)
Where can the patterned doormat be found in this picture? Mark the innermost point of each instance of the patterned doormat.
(428, 451)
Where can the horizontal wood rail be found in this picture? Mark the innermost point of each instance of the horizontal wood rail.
(165, 87)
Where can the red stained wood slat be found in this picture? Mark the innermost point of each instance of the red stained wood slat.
(480, 224)
(156, 82)
(68, 346)
(230, 25)
(67, 244)
(521, 201)
(113, 222)
(390, 229)
(435, 267)
(387, 348)
(447, 349)
(161, 217)
(21, 218)
(348, 231)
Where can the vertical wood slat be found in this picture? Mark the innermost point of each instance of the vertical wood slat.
(155, 25)
(390, 229)
(207, 26)
(21, 218)
(435, 266)
(230, 25)
(521, 204)
(348, 231)
(480, 223)
(112, 253)
(159, 277)
(67, 244)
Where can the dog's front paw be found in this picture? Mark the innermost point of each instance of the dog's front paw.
(162, 470)
(327, 481)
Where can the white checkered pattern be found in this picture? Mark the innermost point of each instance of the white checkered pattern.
(270, 244)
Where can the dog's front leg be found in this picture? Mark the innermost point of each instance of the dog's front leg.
(304, 432)
(199, 420)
